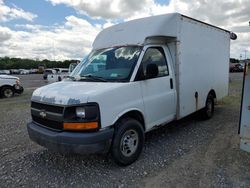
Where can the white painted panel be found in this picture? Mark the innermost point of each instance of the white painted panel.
(136, 31)
(203, 64)
(245, 115)
(117, 100)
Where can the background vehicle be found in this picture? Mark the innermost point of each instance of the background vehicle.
(48, 72)
(236, 67)
(24, 71)
(4, 72)
(9, 85)
(33, 71)
(41, 69)
(72, 66)
(15, 71)
(121, 91)
(61, 73)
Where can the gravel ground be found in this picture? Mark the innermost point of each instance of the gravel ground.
(188, 153)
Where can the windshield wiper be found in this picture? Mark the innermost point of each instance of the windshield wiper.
(95, 78)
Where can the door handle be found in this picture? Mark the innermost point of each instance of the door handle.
(171, 83)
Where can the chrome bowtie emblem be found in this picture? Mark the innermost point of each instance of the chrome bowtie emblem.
(42, 114)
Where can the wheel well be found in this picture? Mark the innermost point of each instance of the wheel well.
(135, 115)
(1, 87)
(212, 92)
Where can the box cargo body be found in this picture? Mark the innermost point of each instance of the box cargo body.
(140, 75)
(199, 52)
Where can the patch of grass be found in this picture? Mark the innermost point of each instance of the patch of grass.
(234, 98)
(232, 101)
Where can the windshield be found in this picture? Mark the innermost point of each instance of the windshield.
(111, 64)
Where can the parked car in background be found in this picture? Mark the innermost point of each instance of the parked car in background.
(9, 85)
(48, 72)
(24, 71)
(64, 73)
(4, 72)
(14, 71)
(41, 69)
(236, 67)
(72, 66)
(59, 75)
(33, 71)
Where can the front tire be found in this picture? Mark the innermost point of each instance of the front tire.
(7, 92)
(128, 141)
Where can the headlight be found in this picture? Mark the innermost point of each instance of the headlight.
(80, 112)
(82, 118)
(89, 112)
(17, 82)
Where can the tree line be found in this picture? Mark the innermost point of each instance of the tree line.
(18, 63)
(233, 60)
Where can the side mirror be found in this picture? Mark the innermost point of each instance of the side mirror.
(151, 71)
(233, 36)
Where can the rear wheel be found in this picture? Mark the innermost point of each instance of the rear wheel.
(127, 142)
(208, 111)
(7, 92)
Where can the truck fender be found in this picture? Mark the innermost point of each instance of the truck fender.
(133, 113)
(6, 86)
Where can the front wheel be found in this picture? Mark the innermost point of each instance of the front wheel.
(7, 92)
(127, 142)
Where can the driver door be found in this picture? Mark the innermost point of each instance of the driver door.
(157, 87)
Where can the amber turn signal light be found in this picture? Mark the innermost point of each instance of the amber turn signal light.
(80, 126)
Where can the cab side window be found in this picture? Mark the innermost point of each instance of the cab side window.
(153, 64)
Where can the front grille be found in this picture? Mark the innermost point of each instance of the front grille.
(48, 123)
(53, 117)
(46, 107)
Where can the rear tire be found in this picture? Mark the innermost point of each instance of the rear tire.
(208, 111)
(7, 92)
(128, 141)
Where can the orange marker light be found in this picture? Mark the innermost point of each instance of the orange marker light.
(80, 126)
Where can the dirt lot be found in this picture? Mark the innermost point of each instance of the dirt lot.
(188, 153)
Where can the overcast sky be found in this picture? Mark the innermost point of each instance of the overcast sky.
(65, 29)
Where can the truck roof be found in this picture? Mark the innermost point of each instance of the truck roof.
(135, 32)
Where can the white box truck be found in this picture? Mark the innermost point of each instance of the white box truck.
(139, 75)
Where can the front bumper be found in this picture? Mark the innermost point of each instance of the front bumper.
(18, 89)
(71, 142)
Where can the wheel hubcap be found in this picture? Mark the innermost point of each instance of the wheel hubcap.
(8, 93)
(129, 143)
